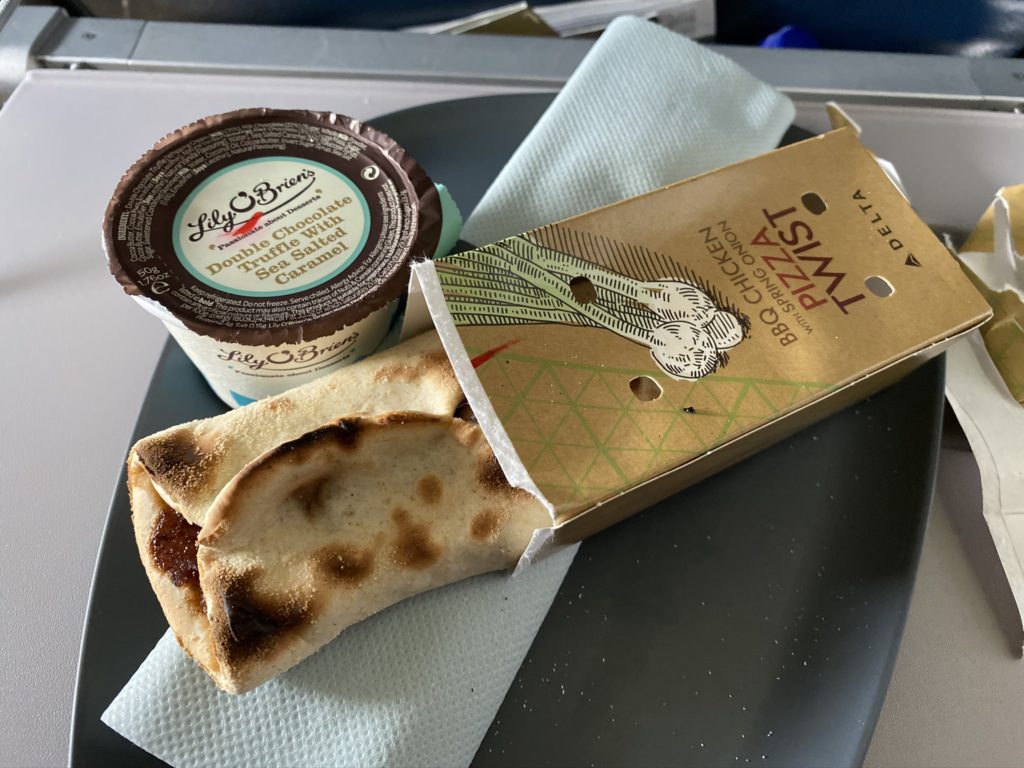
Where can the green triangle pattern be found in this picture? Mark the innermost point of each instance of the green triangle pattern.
(583, 436)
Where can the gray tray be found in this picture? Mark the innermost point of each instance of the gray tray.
(752, 619)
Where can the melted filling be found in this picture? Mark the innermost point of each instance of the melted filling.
(173, 547)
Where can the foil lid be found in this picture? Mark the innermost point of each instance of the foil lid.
(266, 226)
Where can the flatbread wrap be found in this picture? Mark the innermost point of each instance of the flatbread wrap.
(323, 528)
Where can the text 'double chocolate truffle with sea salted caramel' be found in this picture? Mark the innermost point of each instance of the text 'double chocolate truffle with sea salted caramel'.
(275, 245)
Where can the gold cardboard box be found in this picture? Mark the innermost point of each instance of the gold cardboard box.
(619, 356)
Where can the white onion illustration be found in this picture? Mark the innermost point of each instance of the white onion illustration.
(519, 281)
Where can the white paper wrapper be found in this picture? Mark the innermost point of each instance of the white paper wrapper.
(990, 415)
(994, 425)
(420, 684)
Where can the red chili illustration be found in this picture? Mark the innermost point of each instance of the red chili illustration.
(485, 356)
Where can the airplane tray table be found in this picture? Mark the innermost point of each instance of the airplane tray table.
(752, 618)
(79, 355)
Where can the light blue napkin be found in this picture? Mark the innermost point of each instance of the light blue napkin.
(645, 108)
(420, 683)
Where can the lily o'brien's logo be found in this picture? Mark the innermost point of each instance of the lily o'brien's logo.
(246, 207)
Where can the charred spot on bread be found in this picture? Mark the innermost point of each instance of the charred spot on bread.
(347, 432)
(429, 489)
(344, 432)
(490, 473)
(413, 546)
(486, 525)
(492, 478)
(253, 623)
(176, 458)
(348, 565)
(310, 495)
